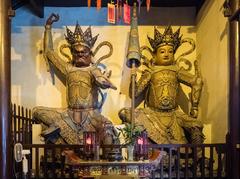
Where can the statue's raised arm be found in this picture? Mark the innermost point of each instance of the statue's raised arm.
(52, 18)
(49, 53)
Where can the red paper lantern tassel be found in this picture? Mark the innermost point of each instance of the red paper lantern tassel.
(126, 13)
(117, 11)
(89, 3)
(120, 9)
(111, 13)
(99, 4)
(148, 2)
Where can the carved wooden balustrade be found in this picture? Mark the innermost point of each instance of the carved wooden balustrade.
(178, 161)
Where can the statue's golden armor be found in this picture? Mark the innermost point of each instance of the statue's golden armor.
(163, 89)
(82, 92)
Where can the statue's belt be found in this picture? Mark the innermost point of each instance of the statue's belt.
(66, 117)
(53, 130)
(82, 109)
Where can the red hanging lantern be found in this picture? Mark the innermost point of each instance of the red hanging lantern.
(89, 142)
(141, 146)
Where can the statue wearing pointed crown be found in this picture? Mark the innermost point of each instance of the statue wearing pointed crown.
(159, 87)
(84, 81)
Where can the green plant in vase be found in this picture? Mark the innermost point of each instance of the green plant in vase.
(130, 134)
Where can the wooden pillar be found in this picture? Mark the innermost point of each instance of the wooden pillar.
(233, 137)
(5, 33)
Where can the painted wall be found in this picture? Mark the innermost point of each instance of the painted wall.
(32, 85)
(212, 51)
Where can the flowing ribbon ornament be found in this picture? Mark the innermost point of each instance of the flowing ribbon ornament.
(180, 59)
(139, 5)
(104, 43)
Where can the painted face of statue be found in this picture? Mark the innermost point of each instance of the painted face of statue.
(164, 55)
(81, 56)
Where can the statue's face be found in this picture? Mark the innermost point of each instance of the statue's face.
(81, 56)
(164, 55)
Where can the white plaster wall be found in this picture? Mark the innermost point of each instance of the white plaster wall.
(212, 51)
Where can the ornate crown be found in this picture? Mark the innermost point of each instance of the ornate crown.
(167, 38)
(80, 37)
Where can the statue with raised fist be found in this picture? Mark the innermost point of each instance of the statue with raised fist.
(84, 81)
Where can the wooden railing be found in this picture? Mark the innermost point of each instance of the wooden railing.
(179, 160)
(21, 125)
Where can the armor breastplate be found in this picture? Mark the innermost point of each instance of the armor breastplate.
(163, 90)
(81, 90)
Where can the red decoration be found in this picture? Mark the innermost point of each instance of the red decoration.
(120, 9)
(141, 146)
(99, 4)
(89, 142)
(148, 2)
(89, 3)
(140, 141)
(117, 11)
(111, 13)
(126, 13)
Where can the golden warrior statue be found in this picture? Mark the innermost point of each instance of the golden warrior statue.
(83, 82)
(159, 86)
